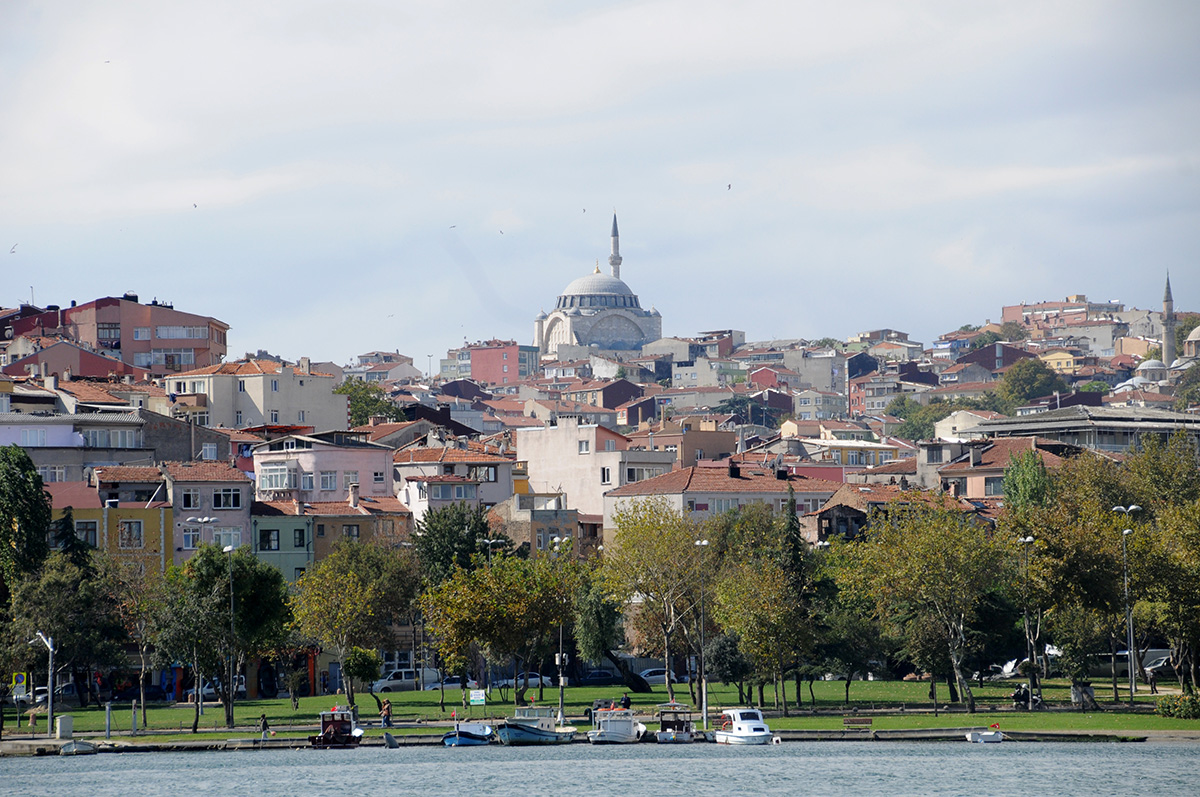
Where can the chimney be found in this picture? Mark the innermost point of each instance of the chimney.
(353, 490)
(976, 456)
(734, 471)
(296, 507)
(51, 382)
(305, 365)
(66, 375)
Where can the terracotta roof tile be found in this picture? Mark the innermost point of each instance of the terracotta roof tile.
(205, 472)
(423, 455)
(717, 480)
(128, 473)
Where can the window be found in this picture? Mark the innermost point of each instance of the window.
(191, 538)
(585, 446)
(86, 531)
(638, 474)
(276, 476)
(306, 481)
(130, 534)
(268, 539)
(141, 333)
(108, 332)
(201, 418)
(350, 530)
(329, 480)
(198, 387)
(208, 451)
(452, 492)
(173, 358)
(274, 385)
(320, 529)
(725, 504)
(993, 485)
(300, 416)
(299, 573)
(237, 418)
(227, 498)
(227, 536)
(349, 477)
(299, 538)
(178, 332)
(53, 473)
(241, 385)
(33, 437)
(605, 476)
(610, 445)
(274, 416)
(190, 498)
(934, 455)
(484, 473)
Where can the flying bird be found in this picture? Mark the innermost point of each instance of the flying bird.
(452, 226)
(729, 187)
(13, 251)
(193, 204)
(502, 232)
(585, 210)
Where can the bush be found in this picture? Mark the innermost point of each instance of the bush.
(1184, 707)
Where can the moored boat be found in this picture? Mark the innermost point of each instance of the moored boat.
(743, 726)
(532, 725)
(615, 726)
(675, 724)
(78, 747)
(993, 736)
(339, 730)
(469, 734)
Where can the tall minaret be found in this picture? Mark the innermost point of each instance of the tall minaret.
(614, 259)
(1168, 322)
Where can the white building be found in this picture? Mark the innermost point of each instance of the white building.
(260, 392)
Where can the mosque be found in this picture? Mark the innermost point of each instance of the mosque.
(597, 313)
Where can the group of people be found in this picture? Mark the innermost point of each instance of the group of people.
(1023, 698)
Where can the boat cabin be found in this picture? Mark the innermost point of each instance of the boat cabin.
(675, 717)
(744, 720)
(339, 728)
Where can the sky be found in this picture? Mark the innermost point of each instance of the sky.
(332, 178)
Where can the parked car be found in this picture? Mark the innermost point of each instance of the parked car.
(453, 682)
(601, 678)
(403, 680)
(209, 691)
(658, 675)
(534, 680)
(1161, 667)
(154, 694)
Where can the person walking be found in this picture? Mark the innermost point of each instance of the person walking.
(264, 727)
(1152, 678)
(385, 714)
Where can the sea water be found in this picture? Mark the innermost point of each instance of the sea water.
(819, 768)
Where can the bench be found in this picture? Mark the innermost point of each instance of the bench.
(856, 722)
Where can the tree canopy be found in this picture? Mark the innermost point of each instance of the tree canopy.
(366, 400)
(1027, 379)
(24, 519)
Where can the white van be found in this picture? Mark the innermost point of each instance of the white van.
(405, 680)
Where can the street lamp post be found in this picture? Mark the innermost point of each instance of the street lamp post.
(560, 659)
(1129, 649)
(702, 544)
(48, 641)
(229, 684)
(1027, 544)
(489, 544)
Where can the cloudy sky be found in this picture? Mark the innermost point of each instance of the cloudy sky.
(331, 178)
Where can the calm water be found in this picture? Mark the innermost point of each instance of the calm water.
(891, 768)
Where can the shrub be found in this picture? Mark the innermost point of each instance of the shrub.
(1185, 707)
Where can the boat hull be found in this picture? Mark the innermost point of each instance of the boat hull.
(675, 737)
(728, 737)
(469, 735)
(516, 734)
(613, 737)
(985, 737)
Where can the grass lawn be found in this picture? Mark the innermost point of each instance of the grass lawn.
(410, 707)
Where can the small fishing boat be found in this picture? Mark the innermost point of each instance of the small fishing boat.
(743, 726)
(469, 734)
(532, 725)
(615, 726)
(78, 747)
(339, 730)
(675, 724)
(990, 736)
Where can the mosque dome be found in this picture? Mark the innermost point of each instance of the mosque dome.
(1151, 364)
(597, 291)
(1194, 336)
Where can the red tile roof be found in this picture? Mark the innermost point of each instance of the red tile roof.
(422, 455)
(90, 393)
(205, 472)
(1002, 450)
(78, 495)
(381, 430)
(717, 480)
(128, 473)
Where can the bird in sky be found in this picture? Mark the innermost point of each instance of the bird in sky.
(452, 226)
(729, 187)
(585, 210)
(13, 251)
(193, 204)
(502, 232)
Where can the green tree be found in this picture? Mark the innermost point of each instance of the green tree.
(598, 628)
(1187, 390)
(76, 607)
(1095, 386)
(1184, 324)
(931, 562)
(353, 597)
(1027, 482)
(1027, 379)
(1013, 331)
(654, 555)
(24, 519)
(138, 592)
(984, 339)
(66, 540)
(454, 536)
(363, 665)
(367, 400)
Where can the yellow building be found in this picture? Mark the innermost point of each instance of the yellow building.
(1062, 361)
(130, 531)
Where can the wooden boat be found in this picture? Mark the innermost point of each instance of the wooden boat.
(675, 724)
(993, 736)
(533, 726)
(615, 726)
(469, 734)
(743, 726)
(78, 747)
(339, 730)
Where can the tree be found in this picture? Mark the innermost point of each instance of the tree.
(1013, 331)
(655, 557)
(1184, 324)
(66, 540)
(1095, 386)
(724, 661)
(367, 400)
(511, 608)
(188, 624)
(598, 629)
(984, 339)
(931, 562)
(24, 519)
(77, 608)
(351, 598)
(1027, 379)
(1187, 390)
(452, 537)
(1026, 482)
(138, 593)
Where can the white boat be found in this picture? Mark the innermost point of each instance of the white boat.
(468, 734)
(533, 726)
(675, 724)
(743, 726)
(985, 737)
(78, 747)
(615, 726)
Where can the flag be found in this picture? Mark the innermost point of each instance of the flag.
(453, 713)
(995, 725)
